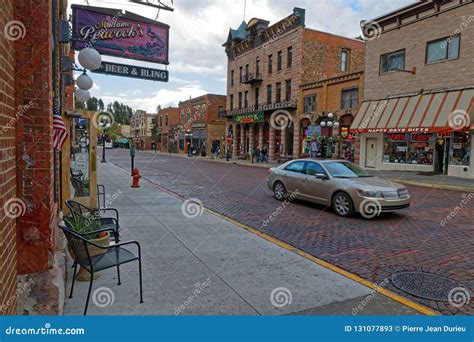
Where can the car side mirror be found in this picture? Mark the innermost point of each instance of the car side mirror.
(321, 176)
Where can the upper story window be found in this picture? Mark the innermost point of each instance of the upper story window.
(350, 98)
(247, 69)
(289, 57)
(231, 100)
(392, 61)
(269, 94)
(279, 60)
(278, 93)
(161, 121)
(257, 67)
(188, 115)
(246, 99)
(241, 74)
(310, 103)
(166, 119)
(270, 64)
(257, 95)
(442, 49)
(288, 90)
(240, 100)
(232, 78)
(344, 60)
(181, 115)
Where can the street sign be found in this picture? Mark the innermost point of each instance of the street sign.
(249, 118)
(117, 69)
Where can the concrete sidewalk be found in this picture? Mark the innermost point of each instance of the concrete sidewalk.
(205, 265)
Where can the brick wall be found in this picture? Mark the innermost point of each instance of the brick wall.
(8, 263)
(413, 38)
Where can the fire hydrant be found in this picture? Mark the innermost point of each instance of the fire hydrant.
(136, 178)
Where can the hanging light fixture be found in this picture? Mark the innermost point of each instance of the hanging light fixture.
(82, 95)
(90, 58)
(84, 82)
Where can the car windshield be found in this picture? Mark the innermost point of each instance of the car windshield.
(345, 170)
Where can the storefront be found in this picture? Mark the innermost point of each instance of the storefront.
(431, 132)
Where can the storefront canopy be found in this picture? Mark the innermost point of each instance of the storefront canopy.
(429, 112)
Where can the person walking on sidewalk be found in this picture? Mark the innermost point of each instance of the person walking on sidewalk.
(257, 155)
(218, 152)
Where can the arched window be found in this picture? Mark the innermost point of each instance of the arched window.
(166, 119)
(161, 121)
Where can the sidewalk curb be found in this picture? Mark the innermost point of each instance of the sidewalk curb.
(433, 185)
(376, 288)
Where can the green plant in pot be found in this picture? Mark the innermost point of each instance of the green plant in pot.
(86, 225)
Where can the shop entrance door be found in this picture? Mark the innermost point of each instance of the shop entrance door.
(442, 155)
(370, 152)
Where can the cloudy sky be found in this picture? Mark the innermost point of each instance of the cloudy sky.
(197, 30)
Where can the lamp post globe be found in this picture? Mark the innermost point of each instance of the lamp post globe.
(90, 58)
(82, 95)
(84, 82)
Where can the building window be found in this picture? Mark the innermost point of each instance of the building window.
(257, 95)
(279, 60)
(278, 93)
(344, 60)
(414, 148)
(392, 61)
(461, 148)
(310, 103)
(161, 121)
(442, 49)
(241, 74)
(232, 78)
(246, 99)
(288, 90)
(289, 57)
(350, 98)
(269, 94)
(257, 68)
(270, 64)
(188, 115)
(182, 116)
(240, 100)
(231, 100)
(166, 120)
(246, 70)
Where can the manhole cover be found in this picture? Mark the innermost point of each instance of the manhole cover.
(425, 285)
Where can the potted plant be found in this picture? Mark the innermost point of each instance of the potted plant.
(86, 225)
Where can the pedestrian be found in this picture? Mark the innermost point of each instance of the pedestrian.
(218, 152)
(265, 154)
(257, 155)
(314, 149)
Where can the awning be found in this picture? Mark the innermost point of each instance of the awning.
(429, 112)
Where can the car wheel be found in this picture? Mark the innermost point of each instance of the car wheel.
(342, 204)
(279, 191)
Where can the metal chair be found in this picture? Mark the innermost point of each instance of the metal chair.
(105, 222)
(112, 256)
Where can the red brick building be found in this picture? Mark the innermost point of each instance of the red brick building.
(200, 124)
(266, 67)
(29, 167)
(166, 118)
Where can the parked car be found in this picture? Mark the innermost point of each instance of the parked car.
(344, 186)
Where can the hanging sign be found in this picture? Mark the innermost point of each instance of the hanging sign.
(115, 33)
(249, 118)
(117, 69)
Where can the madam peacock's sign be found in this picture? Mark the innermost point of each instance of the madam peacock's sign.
(121, 34)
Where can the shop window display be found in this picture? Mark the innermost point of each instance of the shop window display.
(415, 148)
(461, 148)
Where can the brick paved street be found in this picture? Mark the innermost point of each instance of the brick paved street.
(374, 249)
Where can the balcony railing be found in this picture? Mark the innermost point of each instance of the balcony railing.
(252, 78)
(291, 104)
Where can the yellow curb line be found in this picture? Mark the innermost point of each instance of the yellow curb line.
(434, 185)
(418, 307)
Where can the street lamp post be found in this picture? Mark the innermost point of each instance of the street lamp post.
(103, 148)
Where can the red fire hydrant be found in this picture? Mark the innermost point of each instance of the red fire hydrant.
(136, 178)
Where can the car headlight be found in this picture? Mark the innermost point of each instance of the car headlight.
(372, 194)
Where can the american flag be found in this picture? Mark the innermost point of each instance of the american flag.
(59, 129)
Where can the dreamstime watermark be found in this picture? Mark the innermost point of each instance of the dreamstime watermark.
(197, 113)
(466, 199)
(14, 208)
(370, 29)
(110, 22)
(197, 291)
(20, 113)
(370, 208)
(378, 111)
(11, 301)
(14, 30)
(459, 296)
(464, 24)
(192, 207)
(281, 207)
(281, 119)
(103, 120)
(47, 329)
(458, 119)
(281, 297)
(369, 297)
(103, 297)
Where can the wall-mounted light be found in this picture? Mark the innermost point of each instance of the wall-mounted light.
(84, 82)
(90, 58)
(82, 95)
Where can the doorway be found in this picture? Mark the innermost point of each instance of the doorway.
(442, 155)
(370, 152)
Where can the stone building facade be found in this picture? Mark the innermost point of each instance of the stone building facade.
(32, 258)
(201, 126)
(417, 113)
(266, 67)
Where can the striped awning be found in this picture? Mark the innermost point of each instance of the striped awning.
(429, 112)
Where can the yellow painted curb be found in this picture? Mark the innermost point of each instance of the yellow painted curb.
(418, 307)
